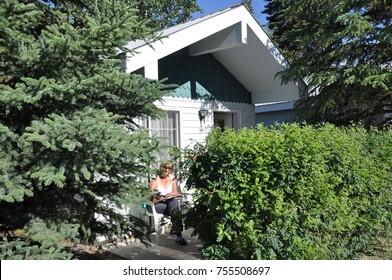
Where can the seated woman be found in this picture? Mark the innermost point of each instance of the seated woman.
(164, 187)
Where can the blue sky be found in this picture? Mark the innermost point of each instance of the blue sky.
(211, 6)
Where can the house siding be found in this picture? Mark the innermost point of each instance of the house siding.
(192, 130)
(201, 77)
(270, 118)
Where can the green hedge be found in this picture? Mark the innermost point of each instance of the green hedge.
(290, 192)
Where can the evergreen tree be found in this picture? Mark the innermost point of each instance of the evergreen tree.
(249, 5)
(344, 50)
(69, 149)
(278, 24)
(163, 13)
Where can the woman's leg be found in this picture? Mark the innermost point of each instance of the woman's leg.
(160, 207)
(174, 213)
(170, 207)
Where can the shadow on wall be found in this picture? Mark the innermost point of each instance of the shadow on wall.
(274, 51)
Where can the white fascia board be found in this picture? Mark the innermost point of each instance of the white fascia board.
(146, 54)
(151, 70)
(274, 106)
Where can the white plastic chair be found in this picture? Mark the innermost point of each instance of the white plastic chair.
(159, 221)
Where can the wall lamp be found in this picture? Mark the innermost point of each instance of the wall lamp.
(203, 114)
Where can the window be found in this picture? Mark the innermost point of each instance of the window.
(167, 130)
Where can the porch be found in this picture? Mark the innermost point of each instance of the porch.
(168, 250)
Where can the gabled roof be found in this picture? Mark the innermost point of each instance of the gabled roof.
(235, 38)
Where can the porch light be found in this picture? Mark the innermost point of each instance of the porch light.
(203, 114)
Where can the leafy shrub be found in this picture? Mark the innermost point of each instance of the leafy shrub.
(215, 252)
(290, 192)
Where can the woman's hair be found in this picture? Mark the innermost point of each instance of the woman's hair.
(166, 164)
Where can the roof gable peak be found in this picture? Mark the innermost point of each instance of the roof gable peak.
(225, 29)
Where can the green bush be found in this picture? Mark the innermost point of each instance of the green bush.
(290, 191)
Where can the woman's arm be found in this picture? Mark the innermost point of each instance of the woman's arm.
(153, 186)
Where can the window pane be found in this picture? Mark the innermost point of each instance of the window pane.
(167, 130)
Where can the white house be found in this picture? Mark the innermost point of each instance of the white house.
(224, 65)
